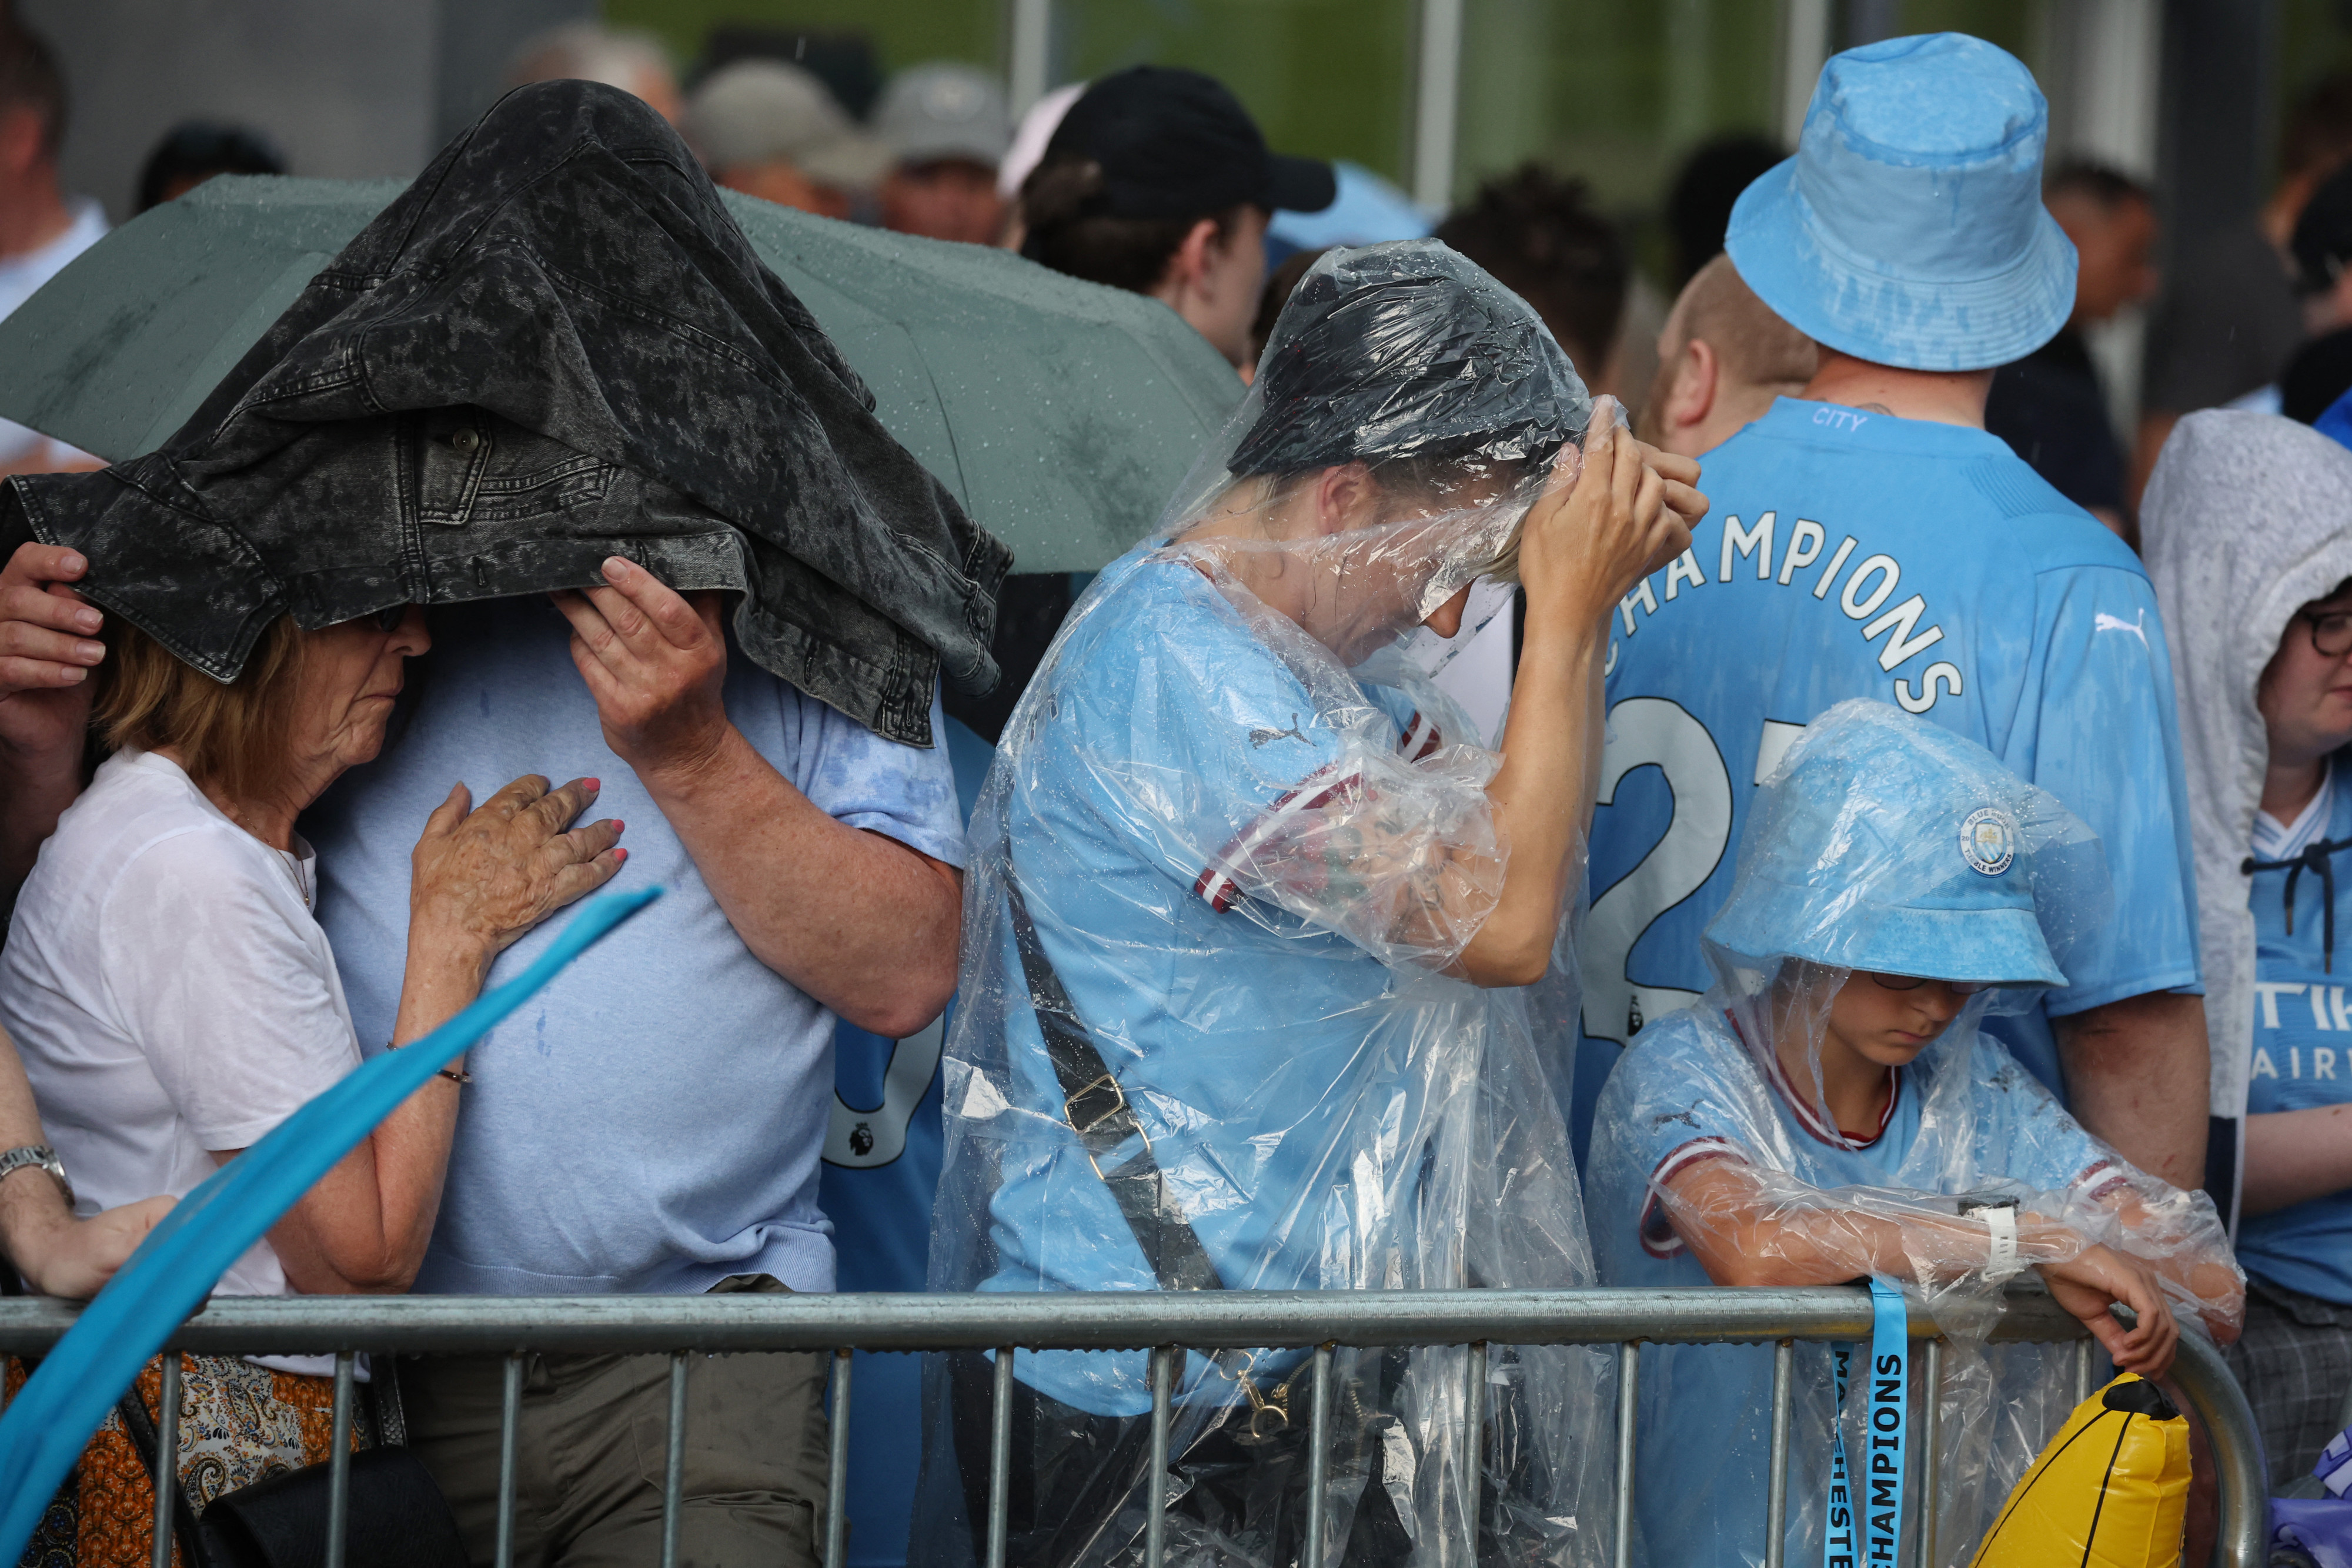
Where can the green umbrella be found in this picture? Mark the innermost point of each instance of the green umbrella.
(1061, 413)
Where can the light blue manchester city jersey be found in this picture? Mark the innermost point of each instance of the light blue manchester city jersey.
(1851, 554)
(2303, 1058)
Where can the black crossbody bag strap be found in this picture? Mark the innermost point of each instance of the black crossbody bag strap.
(1097, 1112)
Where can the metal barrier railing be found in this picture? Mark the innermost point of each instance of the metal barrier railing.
(1163, 1322)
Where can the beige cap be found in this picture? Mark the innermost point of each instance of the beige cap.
(756, 112)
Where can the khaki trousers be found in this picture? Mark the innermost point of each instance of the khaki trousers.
(594, 1445)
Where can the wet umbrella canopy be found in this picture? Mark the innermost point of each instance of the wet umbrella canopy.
(1059, 413)
(552, 304)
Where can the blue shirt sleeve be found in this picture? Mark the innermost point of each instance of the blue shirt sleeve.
(1679, 1110)
(2104, 736)
(1188, 735)
(862, 780)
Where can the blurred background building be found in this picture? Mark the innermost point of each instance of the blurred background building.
(1432, 94)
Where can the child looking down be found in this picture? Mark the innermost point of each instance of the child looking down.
(1831, 1109)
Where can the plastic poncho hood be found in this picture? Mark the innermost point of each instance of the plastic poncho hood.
(1233, 841)
(2248, 517)
(1408, 409)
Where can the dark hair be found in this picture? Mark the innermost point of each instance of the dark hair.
(1538, 234)
(1065, 230)
(2319, 130)
(1698, 208)
(30, 78)
(2109, 186)
(201, 149)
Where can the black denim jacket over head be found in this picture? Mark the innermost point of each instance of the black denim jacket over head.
(555, 347)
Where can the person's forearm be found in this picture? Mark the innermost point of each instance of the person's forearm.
(32, 1209)
(1829, 1245)
(1542, 795)
(2292, 1156)
(364, 1227)
(2138, 1075)
(863, 924)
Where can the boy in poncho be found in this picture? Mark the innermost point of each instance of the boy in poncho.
(1831, 1109)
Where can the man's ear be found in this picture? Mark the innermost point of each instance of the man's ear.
(1193, 259)
(1698, 377)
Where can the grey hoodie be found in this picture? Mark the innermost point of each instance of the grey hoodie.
(2248, 516)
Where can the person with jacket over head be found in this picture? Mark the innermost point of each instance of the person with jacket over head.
(756, 594)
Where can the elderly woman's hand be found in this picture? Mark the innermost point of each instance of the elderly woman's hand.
(483, 877)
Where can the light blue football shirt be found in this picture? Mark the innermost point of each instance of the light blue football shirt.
(652, 1121)
(1851, 554)
(1688, 1092)
(1255, 1048)
(2303, 1058)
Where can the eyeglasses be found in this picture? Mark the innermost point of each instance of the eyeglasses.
(1913, 982)
(2331, 631)
(390, 618)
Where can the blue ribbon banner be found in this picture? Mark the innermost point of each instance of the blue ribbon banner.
(184, 1256)
(1865, 1523)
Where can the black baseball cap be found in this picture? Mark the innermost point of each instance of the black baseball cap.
(1408, 350)
(1176, 143)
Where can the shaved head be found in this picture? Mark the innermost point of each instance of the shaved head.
(1722, 359)
(1757, 347)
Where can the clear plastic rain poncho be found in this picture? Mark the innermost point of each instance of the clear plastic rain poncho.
(1233, 841)
(1883, 846)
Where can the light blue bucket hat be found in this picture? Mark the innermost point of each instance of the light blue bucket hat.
(1886, 843)
(1908, 230)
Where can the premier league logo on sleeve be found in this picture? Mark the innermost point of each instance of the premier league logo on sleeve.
(1988, 840)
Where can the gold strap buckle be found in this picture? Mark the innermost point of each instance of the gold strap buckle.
(1095, 1104)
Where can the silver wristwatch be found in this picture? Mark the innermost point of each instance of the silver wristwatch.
(44, 1157)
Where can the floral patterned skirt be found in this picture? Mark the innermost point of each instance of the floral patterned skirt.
(238, 1422)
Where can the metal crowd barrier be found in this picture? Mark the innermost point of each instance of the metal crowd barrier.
(1163, 1322)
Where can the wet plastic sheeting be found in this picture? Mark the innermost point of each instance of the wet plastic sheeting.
(1059, 413)
(1254, 838)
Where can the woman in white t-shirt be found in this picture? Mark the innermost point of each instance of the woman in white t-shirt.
(174, 999)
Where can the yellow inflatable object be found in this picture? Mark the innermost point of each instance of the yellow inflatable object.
(2108, 1492)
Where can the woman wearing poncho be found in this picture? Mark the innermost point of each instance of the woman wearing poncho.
(1248, 905)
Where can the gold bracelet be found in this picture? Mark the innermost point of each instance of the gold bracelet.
(453, 1074)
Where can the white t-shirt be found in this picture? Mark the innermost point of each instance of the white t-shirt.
(170, 993)
(2277, 840)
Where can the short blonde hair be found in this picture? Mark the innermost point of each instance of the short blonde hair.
(234, 735)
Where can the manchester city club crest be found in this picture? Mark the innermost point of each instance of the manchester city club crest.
(1989, 840)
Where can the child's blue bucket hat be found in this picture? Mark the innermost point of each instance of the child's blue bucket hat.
(1908, 230)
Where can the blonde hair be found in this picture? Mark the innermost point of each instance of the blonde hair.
(233, 735)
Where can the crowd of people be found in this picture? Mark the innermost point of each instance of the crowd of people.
(1966, 929)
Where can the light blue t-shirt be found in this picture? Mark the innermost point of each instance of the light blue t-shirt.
(652, 1121)
(2303, 1058)
(1255, 1048)
(1857, 555)
(1688, 1092)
